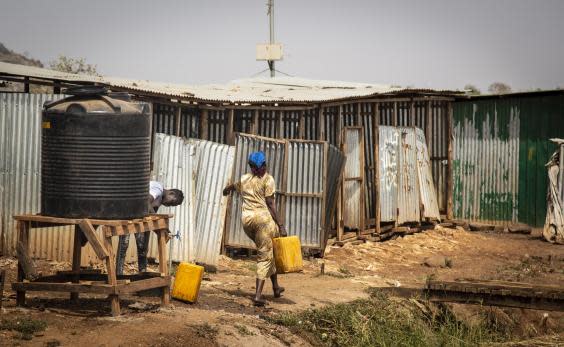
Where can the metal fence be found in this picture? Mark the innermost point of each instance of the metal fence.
(406, 181)
(306, 175)
(200, 169)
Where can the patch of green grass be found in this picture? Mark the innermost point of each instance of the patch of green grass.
(243, 330)
(381, 321)
(25, 326)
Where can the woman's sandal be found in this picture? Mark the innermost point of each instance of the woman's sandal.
(259, 302)
(278, 292)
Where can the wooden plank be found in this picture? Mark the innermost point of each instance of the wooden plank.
(177, 119)
(23, 238)
(2, 282)
(63, 287)
(321, 122)
(412, 113)
(163, 266)
(376, 139)
(25, 262)
(136, 286)
(230, 138)
(301, 126)
(90, 233)
(112, 278)
(76, 255)
(362, 225)
(395, 114)
(450, 182)
(204, 124)
(255, 126)
(428, 126)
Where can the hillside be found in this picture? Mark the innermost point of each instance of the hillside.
(9, 56)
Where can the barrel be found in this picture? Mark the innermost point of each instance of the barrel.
(95, 156)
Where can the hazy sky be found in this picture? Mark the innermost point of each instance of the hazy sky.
(422, 43)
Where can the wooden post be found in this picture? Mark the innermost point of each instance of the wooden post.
(376, 137)
(395, 114)
(204, 124)
(56, 87)
(279, 134)
(428, 126)
(412, 113)
(255, 128)
(111, 269)
(362, 211)
(230, 139)
(178, 118)
(301, 127)
(163, 265)
(450, 183)
(340, 125)
(76, 255)
(358, 116)
(26, 85)
(23, 238)
(321, 131)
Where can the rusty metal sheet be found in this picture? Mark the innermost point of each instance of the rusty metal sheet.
(408, 183)
(275, 155)
(353, 178)
(427, 189)
(389, 143)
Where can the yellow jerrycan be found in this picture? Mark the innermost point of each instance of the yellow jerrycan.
(287, 254)
(187, 282)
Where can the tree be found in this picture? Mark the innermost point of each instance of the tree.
(472, 89)
(73, 65)
(499, 88)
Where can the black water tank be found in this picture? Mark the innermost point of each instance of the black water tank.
(95, 156)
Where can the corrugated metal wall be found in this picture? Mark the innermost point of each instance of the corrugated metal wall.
(353, 180)
(408, 185)
(20, 173)
(427, 190)
(306, 174)
(406, 180)
(388, 155)
(501, 146)
(275, 155)
(174, 165)
(486, 161)
(303, 211)
(200, 169)
(215, 164)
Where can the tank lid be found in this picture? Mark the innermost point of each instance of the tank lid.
(96, 99)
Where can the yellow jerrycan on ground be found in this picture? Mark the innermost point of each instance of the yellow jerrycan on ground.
(187, 282)
(287, 254)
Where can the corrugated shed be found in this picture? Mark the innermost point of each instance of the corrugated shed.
(20, 174)
(408, 186)
(304, 214)
(353, 183)
(215, 164)
(389, 142)
(275, 156)
(486, 161)
(427, 189)
(253, 90)
(174, 165)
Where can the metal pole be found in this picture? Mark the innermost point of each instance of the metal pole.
(271, 19)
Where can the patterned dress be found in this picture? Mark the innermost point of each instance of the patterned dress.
(257, 221)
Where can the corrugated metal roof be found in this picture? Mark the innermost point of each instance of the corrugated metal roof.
(251, 90)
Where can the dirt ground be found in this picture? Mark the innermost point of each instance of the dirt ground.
(225, 316)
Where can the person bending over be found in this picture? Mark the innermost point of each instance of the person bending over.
(157, 196)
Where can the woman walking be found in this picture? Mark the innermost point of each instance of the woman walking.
(260, 220)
